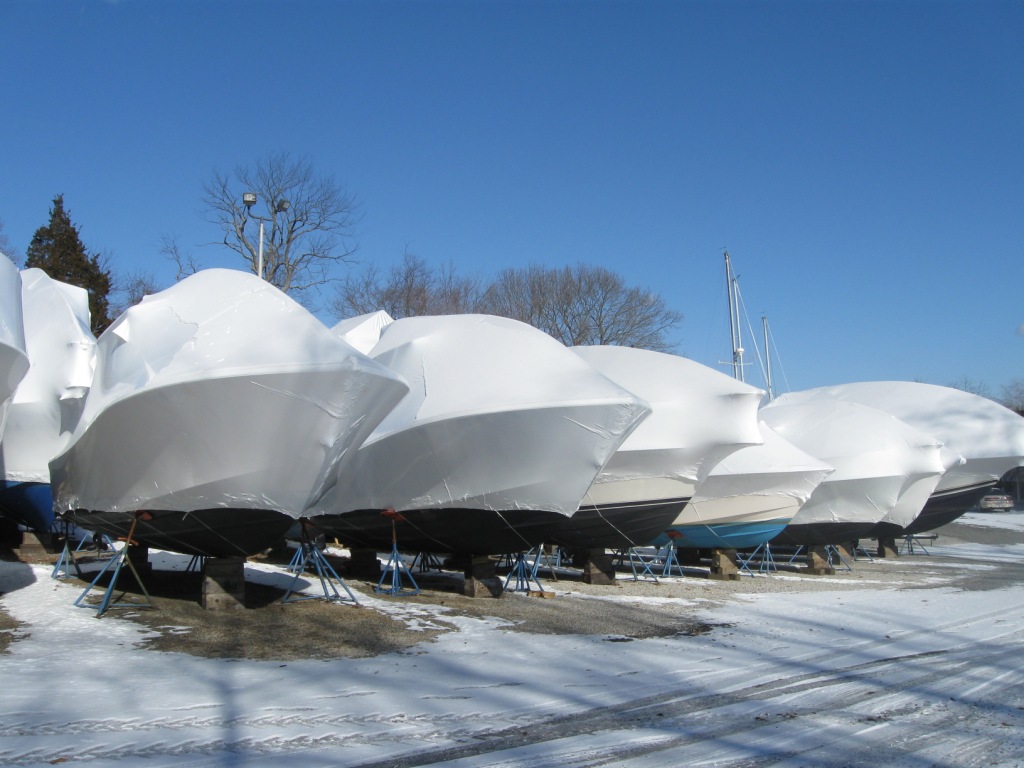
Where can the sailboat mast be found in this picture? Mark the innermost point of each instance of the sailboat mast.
(734, 320)
(767, 358)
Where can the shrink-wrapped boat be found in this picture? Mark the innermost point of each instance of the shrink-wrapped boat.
(877, 459)
(13, 357)
(982, 440)
(749, 497)
(503, 431)
(219, 412)
(698, 417)
(46, 406)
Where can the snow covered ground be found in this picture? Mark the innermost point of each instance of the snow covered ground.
(798, 672)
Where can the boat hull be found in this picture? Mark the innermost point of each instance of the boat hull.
(823, 533)
(448, 530)
(942, 507)
(723, 535)
(27, 503)
(621, 525)
(219, 532)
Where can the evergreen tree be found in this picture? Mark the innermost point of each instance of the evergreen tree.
(58, 250)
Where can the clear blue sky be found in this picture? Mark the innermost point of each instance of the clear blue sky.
(863, 162)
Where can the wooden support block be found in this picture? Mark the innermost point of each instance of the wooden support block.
(482, 578)
(887, 548)
(817, 561)
(598, 568)
(224, 583)
(36, 544)
(845, 550)
(724, 566)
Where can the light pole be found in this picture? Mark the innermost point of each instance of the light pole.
(249, 200)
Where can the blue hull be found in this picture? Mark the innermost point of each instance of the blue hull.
(30, 504)
(723, 535)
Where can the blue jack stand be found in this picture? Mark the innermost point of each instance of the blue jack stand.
(117, 561)
(426, 561)
(765, 560)
(645, 566)
(67, 558)
(671, 560)
(539, 554)
(858, 550)
(396, 566)
(62, 569)
(524, 574)
(295, 564)
(329, 578)
(834, 555)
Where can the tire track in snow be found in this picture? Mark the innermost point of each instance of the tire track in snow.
(696, 722)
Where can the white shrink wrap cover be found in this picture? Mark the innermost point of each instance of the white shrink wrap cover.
(13, 356)
(502, 432)
(877, 458)
(223, 410)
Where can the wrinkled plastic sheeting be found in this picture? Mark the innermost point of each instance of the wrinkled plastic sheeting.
(363, 331)
(62, 352)
(698, 416)
(499, 416)
(13, 356)
(982, 439)
(220, 391)
(767, 482)
(876, 457)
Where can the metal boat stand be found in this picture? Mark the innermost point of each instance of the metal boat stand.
(197, 563)
(426, 561)
(396, 566)
(295, 564)
(117, 561)
(764, 558)
(670, 560)
(858, 551)
(524, 573)
(638, 564)
(62, 568)
(915, 540)
(539, 554)
(312, 559)
(835, 555)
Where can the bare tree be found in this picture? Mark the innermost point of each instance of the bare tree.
(1013, 395)
(583, 305)
(409, 288)
(972, 386)
(183, 260)
(130, 289)
(308, 221)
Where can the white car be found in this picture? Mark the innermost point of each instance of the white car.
(996, 501)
